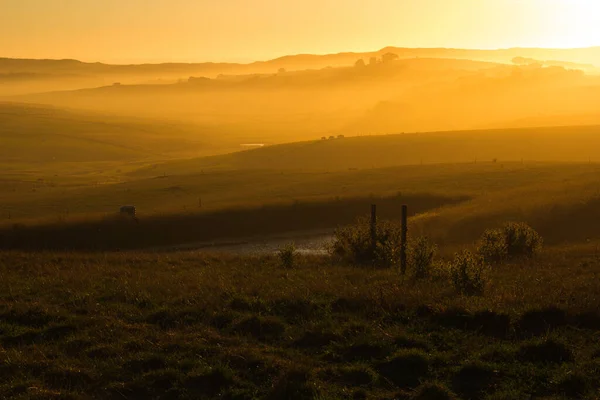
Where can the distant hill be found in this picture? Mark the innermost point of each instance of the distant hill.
(292, 62)
(406, 95)
(565, 144)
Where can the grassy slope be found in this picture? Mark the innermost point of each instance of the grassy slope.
(567, 144)
(543, 194)
(188, 325)
(42, 136)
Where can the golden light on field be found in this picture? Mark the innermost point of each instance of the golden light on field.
(235, 30)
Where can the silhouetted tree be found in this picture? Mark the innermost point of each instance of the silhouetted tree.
(387, 57)
(373, 61)
(523, 61)
(359, 63)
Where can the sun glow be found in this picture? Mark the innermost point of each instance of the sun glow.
(204, 30)
(576, 23)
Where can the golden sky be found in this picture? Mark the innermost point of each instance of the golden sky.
(128, 31)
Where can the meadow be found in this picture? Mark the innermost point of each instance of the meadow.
(452, 203)
(91, 307)
(199, 325)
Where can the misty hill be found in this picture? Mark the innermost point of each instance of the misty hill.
(573, 144)
(404, 95)
(297, 62)
(96, 74)
(38, 135)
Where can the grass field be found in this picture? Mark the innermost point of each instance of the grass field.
(546, 195)
(42, 141)
(103, 322)
(193, 325)
(550, 144)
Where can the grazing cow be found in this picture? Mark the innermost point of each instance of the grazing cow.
(128, 210)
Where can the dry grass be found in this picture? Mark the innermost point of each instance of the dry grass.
(195, 325)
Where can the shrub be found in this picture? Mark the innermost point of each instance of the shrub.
(287, 255)
(354, 244)
(421, 254)
(492, 245)
(522, 240)
(468, 273)
(515, 239)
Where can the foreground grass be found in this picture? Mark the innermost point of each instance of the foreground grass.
(190, 325)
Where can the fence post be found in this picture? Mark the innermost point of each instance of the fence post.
(403, 245)
(373, 226)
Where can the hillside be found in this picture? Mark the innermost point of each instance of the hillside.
(391, 97)
(298, 62)
(39, 137)
(566, 144)
(24, 76)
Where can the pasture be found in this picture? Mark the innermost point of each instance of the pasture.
(90, 308)
(194, 325)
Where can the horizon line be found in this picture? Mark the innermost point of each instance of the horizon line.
(298, 55)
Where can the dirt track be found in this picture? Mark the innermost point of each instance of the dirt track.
(306, 242)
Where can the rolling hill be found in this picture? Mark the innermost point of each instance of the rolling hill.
(396, 96)
(564, 144)
(41, 136)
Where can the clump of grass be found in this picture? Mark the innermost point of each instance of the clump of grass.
(575, 385)
(515, 239)
(261, 328)
(421, 254)
(545, 351)
(365, 350)
(540, 321)
(473, 379)
(433, 391)
(287, 255)
(209, 382)
(293, 385)
(406, 369)
(316, 339)
(468, 273)
(354, 244)
(356, 376)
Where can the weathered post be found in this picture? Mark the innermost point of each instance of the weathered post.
(373, 226)
(403, 245)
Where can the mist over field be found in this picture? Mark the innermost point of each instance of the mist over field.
(404, 223)
(360, 94)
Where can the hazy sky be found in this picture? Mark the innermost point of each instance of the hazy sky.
(242, 30)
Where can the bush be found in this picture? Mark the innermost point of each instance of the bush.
(468, 273)
(354, 244)
(420, 255)
(287, 255)
(515, 239)
(492, 245)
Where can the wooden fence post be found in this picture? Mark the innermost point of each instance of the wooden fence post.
(373, 226)
(403, 245)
